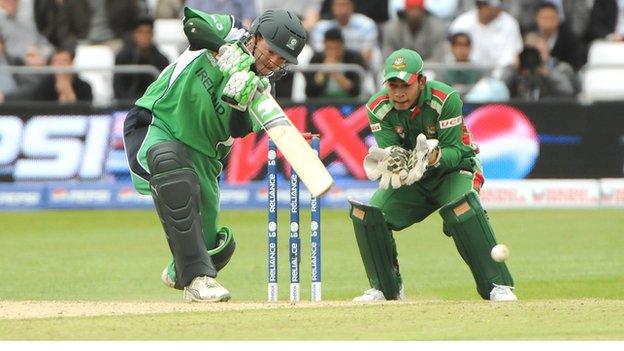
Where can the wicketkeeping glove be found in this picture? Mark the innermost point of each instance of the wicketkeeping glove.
(234, 58)
(418, 159)
(241, 87)
(390, 164)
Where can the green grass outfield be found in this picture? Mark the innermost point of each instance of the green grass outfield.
(568, 266)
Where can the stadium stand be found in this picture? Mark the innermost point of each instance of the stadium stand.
(99, 60)
(603, 76)
(169, 35)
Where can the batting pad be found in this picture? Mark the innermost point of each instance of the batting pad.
(466, 221)
(376, 246)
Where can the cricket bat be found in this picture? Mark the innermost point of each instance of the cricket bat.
(289, 141)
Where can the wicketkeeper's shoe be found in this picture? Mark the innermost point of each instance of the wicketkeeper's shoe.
(205, 289)
(166, 279)
(501, 293)
(376, 295)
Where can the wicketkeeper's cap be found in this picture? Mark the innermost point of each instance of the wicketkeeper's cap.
(404, 64)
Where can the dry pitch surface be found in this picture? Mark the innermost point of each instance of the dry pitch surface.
(14, 310)
(575, 319)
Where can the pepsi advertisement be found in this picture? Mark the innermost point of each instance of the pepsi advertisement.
(549, 140)
(516, 141)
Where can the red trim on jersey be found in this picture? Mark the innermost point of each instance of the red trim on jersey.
(373, 105)
(466, 137)
(477, 181)
(415, 112)
(439, 94)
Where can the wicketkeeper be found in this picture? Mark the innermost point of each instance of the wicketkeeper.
(426, 162)
(183, 126)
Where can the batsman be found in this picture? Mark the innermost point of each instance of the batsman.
(184, 125)
(425, 162)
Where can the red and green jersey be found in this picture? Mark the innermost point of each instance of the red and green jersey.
(185, 100)
(437, 114)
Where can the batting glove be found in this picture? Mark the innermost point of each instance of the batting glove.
(241, 88)
(234, 58)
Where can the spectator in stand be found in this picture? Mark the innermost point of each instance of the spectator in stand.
(562, 68)
(562, 44)
(26, 83)
(112, 21)
(7, 81)
(606, 21)
(63, 87)
(576, 15)
(334, 84)
(495, 34)
(359, 32)
(140, 50)
(533, 80)
(524, 11)
(461, 79)
(376, 10)
(308, 11)
(26, 14)
(63, 23)
(415, 29)
(169, 9)
(19, 36)
(245, 10)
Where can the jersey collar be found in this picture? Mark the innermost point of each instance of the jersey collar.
(424, 97)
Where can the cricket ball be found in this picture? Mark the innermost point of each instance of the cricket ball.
(500, 253)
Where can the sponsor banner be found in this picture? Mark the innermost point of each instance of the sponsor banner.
(577, 193)
(573, 193)
(516, 141)
(612, 192)
(126, 197)
(95, 195)
(15, 196)
(505, 194)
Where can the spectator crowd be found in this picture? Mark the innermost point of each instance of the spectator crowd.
(486, 49)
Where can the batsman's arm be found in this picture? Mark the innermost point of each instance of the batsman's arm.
(211, 31)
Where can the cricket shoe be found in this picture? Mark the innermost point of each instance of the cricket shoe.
(376, 295)
(502, 293)
(164, 276)
(205, 289)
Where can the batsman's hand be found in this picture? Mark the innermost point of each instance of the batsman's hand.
(390, 164)
(233, 57)
(241, 88)
(419, 158)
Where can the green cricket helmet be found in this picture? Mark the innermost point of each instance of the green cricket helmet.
(404, 64)
(283, 31)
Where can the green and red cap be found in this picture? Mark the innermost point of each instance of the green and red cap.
(404, 64)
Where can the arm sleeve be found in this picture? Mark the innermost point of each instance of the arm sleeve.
(450, 124)
(206, 31)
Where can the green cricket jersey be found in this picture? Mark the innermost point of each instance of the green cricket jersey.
(185, 100)
(438, 115)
